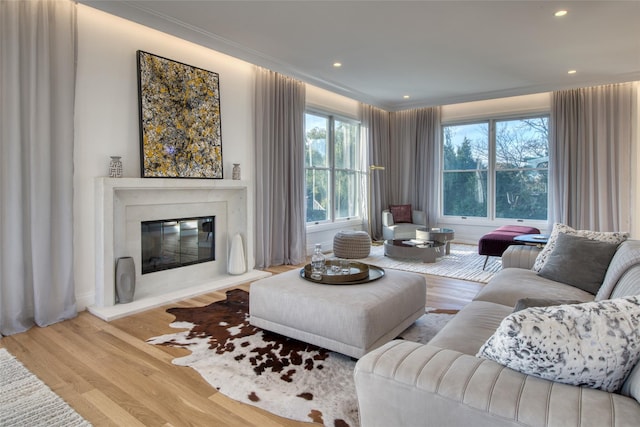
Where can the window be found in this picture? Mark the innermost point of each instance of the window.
(496, 169)
(333, 168)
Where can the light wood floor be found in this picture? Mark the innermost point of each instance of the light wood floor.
(112, 377)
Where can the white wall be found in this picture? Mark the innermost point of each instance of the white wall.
(106, 121)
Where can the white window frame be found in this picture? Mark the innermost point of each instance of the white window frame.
(332, 221)
(490, 219)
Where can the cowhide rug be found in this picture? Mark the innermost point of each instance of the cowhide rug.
(278, 374)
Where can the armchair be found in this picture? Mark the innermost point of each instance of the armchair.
(402, 230)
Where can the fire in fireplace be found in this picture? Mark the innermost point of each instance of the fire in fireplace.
(173, 243)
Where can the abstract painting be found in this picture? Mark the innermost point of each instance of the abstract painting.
(180, 131)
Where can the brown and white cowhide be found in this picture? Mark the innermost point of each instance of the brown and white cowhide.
(281, 375)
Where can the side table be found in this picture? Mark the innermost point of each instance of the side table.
(538, 240)
(442, 235)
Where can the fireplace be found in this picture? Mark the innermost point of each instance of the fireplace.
(175, 243)
(123, 204)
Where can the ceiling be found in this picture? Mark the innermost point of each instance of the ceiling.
(436, 52)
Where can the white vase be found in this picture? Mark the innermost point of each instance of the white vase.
(125, 279)
(237, 264)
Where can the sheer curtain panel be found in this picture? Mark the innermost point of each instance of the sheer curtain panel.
(375, 134)
(37, 81)
(590, 157)
(279, 147)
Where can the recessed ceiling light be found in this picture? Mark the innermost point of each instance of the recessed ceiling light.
(337, 64)
(572, 72)
(560, 13)
(406, 96)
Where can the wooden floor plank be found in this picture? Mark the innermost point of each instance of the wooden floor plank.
(113, 377)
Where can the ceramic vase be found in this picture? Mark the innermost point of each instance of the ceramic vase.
(125, 279)
(237, 264)
(235, 174)
(115, 167)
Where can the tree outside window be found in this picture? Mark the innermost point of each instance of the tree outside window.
(496, 169)
(333, 156)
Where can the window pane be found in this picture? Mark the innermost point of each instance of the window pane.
(318, 201)
(316, 147)
(466, 147)
(522, 143)
(347, 194)
(521, 194)
(465, 193)
(346, 145)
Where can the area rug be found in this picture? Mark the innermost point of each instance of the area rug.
(281, 375)
(26, 401)
(462, 263)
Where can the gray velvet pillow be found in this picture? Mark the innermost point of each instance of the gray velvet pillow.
(579, 261)
(523, 303)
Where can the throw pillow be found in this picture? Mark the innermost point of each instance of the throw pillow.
(579, 261)
(523, 303)
(401, 213)
(610, 237)
(594, 344)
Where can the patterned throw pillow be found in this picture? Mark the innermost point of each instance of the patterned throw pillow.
(401, 213)
(594, 344)
(602, 236)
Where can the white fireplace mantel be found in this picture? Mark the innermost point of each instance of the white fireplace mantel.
(121, 202)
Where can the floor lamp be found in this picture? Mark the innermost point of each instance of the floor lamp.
(372, 169)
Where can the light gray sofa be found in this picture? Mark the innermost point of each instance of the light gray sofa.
(443, 383)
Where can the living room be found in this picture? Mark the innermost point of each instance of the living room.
(107, 124)
(97, 139)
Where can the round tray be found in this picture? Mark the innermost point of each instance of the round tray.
(360, 273)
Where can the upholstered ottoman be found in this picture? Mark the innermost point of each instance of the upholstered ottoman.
(351, 244)
(497, 241)
(348, 319)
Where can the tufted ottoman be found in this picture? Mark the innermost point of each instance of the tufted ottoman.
(496, 242)
(348, 319)
(351, 244)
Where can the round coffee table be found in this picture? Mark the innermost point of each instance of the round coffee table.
(442, 235)
(406, 249)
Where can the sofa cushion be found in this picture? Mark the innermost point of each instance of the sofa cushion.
(610, 237)
(541, 302)
(471, 327)
(579, 261)
(626, 258)
(401, 213)
(593, 344)
(631, 386)
(509, 285)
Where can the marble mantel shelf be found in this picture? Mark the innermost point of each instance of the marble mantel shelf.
(169, 183)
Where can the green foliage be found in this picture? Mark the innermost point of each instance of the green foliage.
(520, 178)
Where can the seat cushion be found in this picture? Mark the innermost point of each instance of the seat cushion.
(471, 327)
(509, 285)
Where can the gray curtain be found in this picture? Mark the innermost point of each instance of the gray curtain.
(279, 179)
(406, 143)
(37, 81)
(590, 157)
(376, 134)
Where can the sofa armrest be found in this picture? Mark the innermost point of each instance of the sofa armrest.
(520, 256)
(387, 218)
(419, 217)
(411, 384)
